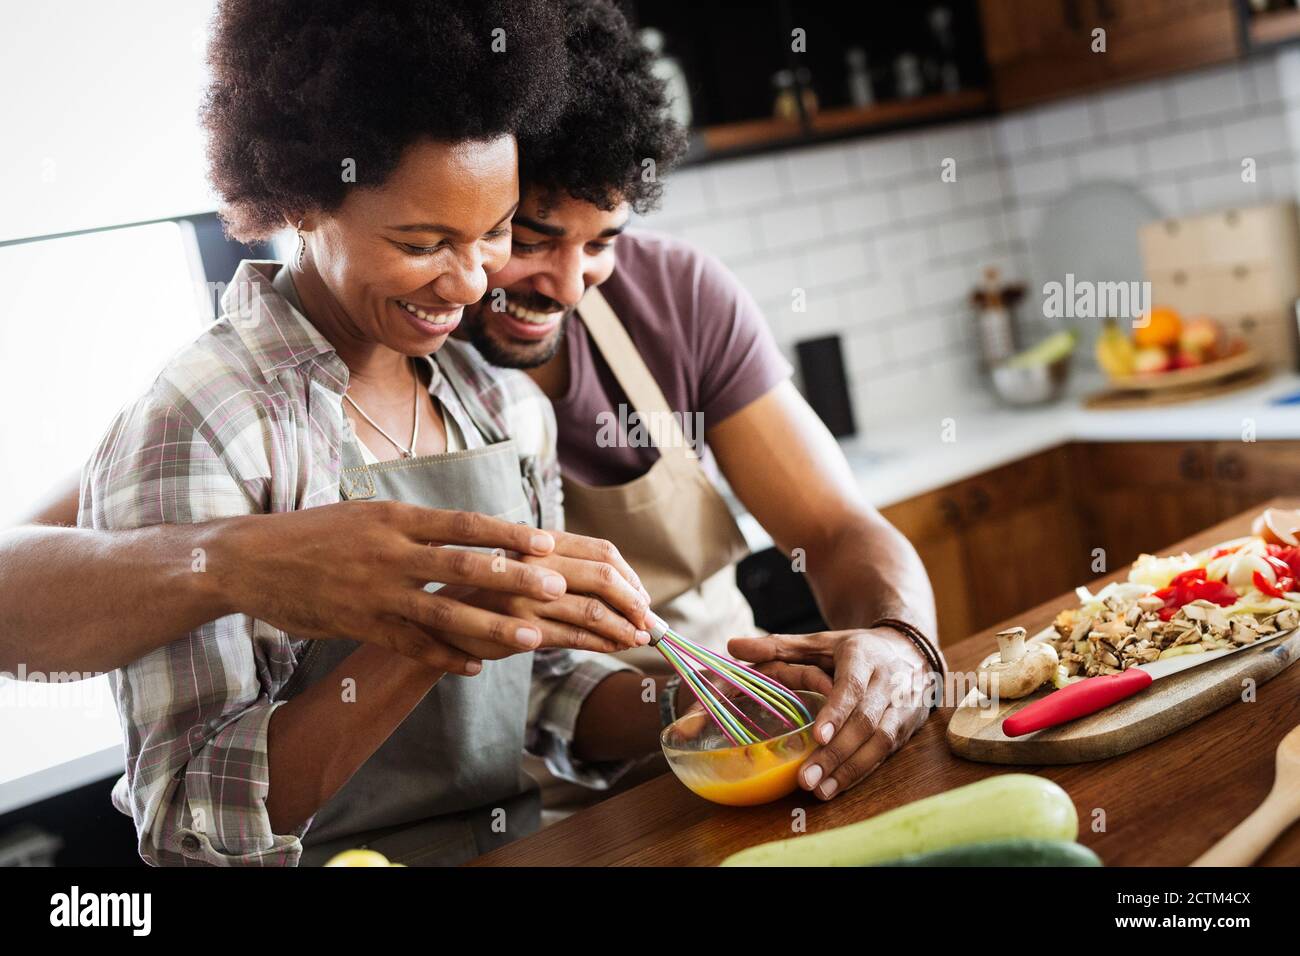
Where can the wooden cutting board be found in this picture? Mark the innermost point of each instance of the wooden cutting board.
(1169, 704)
(1117, 398)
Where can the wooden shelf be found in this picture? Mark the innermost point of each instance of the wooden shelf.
(1276, 27)
(900, 112)
(751, 135)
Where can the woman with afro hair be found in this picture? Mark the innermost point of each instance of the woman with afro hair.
(384, 134)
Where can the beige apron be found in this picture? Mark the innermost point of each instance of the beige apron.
(671, 524)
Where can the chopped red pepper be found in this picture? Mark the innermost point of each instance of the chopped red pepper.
(1288, 555)
(1266, 586)
(1216, 592)
(1191, 586)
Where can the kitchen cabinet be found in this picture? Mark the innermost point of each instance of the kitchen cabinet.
(1136, 497)
(933, 523)
(1012, 537)
(1040, 50)
(996, 543)
(1246, 474)
(1021, 537)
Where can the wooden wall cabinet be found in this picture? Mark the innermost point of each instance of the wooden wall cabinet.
(1041, 50)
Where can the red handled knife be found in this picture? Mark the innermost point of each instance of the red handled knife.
(1096, 693)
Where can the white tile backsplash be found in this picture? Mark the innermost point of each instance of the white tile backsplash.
(836, 264)
(1016, 134)
(861, 210)
(1260, 136)
(819, 169)
(1211, 91)
(905, 249)
(1120, 161)
(745, 183)
(796, 222)
(1132, 109)
(1040, 176)
(1191, 149)
(980, 186)
(886, 253)
(685, 198)
(1064, 123)
(927, 198)
(877, 159)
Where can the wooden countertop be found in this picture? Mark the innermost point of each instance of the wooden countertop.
(1164, 804)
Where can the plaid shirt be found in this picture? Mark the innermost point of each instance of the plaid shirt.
(246, 420)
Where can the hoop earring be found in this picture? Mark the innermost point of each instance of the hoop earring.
(302, 245)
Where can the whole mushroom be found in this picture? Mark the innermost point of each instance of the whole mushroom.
(1018, 669)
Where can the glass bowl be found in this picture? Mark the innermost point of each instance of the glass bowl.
(712, 767)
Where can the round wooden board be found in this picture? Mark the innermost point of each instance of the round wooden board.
(975, 730)
(1186, 377)
(1115, 399)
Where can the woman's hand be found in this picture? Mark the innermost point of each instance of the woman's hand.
(873, 682)
(357, 570)
(604, 607)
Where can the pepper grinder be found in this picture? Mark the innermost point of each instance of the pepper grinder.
(994, 321)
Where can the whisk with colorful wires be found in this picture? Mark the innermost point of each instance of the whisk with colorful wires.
(703, 670)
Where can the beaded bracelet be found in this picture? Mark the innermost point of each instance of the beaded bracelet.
(931, 654)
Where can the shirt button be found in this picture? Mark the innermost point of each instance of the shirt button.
(190, 843)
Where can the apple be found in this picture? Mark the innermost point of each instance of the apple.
(1200, 337)
(1150, 359)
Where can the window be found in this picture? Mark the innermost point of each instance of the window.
(86, 322)
(100, 114)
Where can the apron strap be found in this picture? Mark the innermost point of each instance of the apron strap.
(490, 426)
(633, 375)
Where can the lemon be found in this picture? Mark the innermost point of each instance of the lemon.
(359, 858)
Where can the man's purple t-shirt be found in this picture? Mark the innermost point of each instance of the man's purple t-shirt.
(699, 332)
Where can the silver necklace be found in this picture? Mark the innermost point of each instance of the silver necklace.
(415, 426)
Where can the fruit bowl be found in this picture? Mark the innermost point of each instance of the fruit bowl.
(1239, 363)
(710, 766)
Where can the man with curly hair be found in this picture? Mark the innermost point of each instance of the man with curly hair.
(636, 338)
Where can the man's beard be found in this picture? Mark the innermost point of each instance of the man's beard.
(520, 356)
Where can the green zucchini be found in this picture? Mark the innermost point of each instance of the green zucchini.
(1006, 806)
(1018, 852)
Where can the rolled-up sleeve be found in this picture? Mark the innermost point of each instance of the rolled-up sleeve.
(195, 713)
(561, 682)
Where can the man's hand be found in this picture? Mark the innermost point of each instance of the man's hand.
(603, 609)
(872, 680)
(357, 570)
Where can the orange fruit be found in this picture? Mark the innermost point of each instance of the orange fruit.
(1161, 329)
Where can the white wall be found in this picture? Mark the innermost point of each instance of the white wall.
(887, 253)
